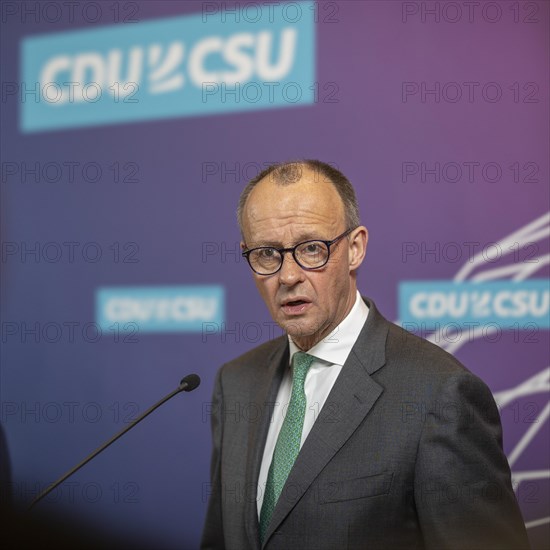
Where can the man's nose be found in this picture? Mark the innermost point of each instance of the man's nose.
(290, 272)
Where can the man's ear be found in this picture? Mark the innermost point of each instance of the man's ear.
(357, 249)
(243, 246)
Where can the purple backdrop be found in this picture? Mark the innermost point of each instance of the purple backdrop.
(436, 111)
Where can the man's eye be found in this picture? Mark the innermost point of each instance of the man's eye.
(267, 253)
(312, 248)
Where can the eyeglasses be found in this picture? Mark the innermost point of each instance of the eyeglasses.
(267, 260)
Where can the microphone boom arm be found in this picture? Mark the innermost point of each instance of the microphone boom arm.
(189, 383)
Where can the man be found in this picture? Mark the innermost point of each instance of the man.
(374, 438)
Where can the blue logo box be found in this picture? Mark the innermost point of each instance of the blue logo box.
(173, 67)
(160, 309)
(509, 304)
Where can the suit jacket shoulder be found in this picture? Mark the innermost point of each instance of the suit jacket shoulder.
(253, 365)
(408, 357)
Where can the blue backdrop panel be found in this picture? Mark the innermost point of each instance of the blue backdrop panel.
(129, 130)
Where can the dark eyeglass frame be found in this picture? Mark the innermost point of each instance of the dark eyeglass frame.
(283, 251)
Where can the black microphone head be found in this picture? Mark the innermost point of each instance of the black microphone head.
(190, 382)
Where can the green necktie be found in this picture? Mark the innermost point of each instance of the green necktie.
(288, 442)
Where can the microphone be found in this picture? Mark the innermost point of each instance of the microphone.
(187, 384)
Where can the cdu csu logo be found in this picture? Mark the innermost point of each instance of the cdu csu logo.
(179, 66)
(160, 308)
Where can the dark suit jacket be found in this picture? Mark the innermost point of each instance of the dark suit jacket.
(406, 453)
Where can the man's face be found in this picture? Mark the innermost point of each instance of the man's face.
(308, 305)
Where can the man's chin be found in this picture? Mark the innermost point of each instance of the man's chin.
(301, 332)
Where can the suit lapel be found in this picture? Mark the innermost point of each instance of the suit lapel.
(351, 398)
(265, 393)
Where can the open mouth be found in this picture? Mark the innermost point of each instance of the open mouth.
(296, 303)
(295, 307)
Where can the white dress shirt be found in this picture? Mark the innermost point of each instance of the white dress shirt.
(330, 355)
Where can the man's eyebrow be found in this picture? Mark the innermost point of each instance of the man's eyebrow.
(261, 244)
(311, 237)
(277, 244)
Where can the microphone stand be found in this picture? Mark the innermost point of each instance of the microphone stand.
(189, 383)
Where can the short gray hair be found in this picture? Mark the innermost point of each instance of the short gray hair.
(286, 173)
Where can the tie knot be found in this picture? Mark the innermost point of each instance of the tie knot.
(300, 364)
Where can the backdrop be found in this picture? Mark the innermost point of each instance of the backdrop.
(128, 131)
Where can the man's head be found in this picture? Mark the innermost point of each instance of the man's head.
(295, 202)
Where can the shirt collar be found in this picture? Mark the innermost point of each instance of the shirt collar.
(335, 348)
